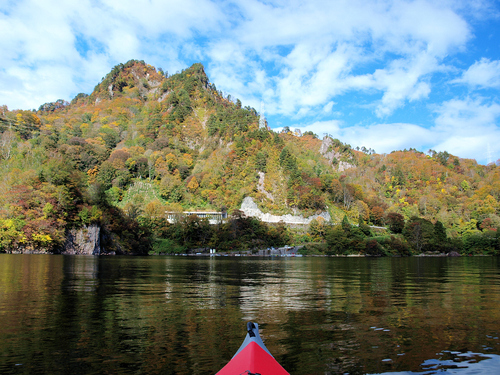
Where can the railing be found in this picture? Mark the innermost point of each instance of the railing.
(213, 217)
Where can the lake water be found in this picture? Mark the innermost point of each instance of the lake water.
(187, 315)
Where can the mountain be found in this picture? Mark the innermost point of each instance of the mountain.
(144, 142)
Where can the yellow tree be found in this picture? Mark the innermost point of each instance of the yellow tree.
(193, 184)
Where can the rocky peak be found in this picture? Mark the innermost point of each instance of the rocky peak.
(339, 154)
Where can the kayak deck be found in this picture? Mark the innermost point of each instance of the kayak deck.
(253, 357)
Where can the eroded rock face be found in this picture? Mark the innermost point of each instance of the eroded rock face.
(83, 241)
(260, 186)
(250, 208)
(331, 155)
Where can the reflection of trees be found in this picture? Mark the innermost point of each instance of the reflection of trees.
(428, 305)
(186, 315)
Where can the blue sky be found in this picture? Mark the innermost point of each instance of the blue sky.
(387, 75)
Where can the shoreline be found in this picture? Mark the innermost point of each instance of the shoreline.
(251, 255)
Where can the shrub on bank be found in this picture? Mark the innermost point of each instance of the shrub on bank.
(393, 245)
(165, 246)
(318, 248)
(487, 243)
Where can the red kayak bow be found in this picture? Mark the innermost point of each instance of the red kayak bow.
(253, 357)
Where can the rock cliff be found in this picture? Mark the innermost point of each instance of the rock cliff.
(333, 156)
(83, 241)
(250, 208)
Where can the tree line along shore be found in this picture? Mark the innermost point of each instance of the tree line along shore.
(97, 174)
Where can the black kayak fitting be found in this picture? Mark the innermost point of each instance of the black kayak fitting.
(250, 328)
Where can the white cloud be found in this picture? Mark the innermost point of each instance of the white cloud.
(327, 109)
(383, 138)
(173, 18)
(402, 81)
(430, 26)
(88, 38)
(320, 128)
(300, 57)
(466, 128)
(123, 46)
(469, 128)
(483, 74)
(400, 44)
(314, 46)
(470, 115)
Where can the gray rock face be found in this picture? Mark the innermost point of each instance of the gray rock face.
(330, 155)
(84, 241)
(250, 208)
(260, 186)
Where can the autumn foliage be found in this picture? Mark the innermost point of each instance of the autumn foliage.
(70, 164)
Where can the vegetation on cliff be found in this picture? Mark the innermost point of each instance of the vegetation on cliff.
(144, 143)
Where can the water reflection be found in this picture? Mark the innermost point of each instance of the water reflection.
(454, 363)
(180, 315)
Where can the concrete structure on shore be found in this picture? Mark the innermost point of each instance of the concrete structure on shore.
(212, 216)
(250, 208)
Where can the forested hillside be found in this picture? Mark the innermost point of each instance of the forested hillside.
(144, 143)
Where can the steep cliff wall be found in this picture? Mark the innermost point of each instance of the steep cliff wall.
(83, 241)
(329, 152)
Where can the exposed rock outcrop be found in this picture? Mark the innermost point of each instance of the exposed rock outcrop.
(84, 241)
(327, 152)
(250, 208)
(260, 186)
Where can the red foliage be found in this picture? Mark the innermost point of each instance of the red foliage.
(315, 182)
(122, 155)
(377, 214)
